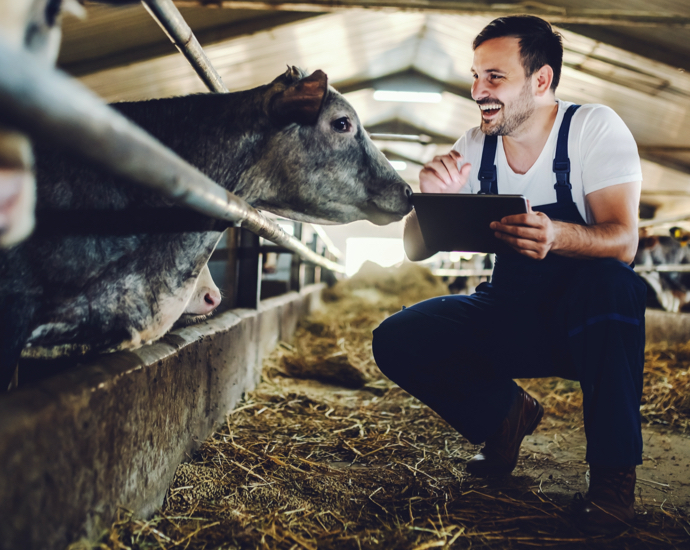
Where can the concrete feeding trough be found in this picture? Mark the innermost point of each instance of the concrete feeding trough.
(111, 432)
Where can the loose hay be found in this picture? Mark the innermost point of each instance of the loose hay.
(301, 465)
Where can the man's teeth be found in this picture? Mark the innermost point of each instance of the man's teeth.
(489, 107)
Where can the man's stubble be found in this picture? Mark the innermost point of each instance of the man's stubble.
(514, 115)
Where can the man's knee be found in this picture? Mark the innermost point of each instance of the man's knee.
(389, 339)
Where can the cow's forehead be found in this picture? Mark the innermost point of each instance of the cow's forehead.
(336, 101)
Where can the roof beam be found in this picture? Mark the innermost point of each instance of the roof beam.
(387, 82)
(555, 14)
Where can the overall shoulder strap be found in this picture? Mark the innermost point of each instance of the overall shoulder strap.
(561, 164)
(487, 170)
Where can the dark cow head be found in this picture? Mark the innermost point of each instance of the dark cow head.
(31, 26)
(320, 165)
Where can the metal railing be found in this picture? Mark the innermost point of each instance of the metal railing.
(53, 108)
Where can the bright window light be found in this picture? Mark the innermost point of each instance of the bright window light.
(385, 252)
(412, 97)
(398, 164)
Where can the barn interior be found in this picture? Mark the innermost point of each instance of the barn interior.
(405, 67)
(627, 57)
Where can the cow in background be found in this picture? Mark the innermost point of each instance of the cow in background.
(670, 290)
(294, 147)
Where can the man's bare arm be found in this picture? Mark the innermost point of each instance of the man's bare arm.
(613, 234)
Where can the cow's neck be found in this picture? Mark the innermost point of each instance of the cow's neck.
(222, 134)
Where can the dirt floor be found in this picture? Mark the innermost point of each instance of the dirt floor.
(326, 453)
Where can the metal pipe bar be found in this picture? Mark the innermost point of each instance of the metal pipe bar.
(409, 138)
(667, 268)
(661, 221)
(171, 21)
(51, 107)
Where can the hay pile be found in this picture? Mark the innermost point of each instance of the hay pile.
(291, 471)
(334, 344)
(300, 465)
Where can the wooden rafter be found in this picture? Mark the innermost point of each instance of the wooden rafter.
(555, 14)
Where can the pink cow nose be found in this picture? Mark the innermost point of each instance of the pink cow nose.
(211, 301)
(212, 298)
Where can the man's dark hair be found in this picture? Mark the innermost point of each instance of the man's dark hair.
(539, 44)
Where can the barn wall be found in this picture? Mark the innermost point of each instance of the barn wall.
(112, 432)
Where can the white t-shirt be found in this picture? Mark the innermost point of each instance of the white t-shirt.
(602, 153)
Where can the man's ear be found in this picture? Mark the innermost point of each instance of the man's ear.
(543, 80)
(301, 102)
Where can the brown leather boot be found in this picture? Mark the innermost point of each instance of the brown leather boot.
(608, 506)
(500, 452)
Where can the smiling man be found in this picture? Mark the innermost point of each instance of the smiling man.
(566, 303)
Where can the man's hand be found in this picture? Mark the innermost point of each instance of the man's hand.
(441, 175)
(531, 234)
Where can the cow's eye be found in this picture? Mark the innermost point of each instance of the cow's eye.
(341, 125)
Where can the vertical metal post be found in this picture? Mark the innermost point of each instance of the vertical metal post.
(230, 282)
(310, 269)
(318, 270)
(296, 267)
(248, 270)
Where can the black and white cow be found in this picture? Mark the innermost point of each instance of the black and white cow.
(294, 147)
(669, 290)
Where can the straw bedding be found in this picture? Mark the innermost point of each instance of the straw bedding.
(360, 464)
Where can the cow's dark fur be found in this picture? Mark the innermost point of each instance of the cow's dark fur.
(91, 294)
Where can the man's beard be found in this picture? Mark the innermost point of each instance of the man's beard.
(514, 116)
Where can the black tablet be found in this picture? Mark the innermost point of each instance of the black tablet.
(461, 221)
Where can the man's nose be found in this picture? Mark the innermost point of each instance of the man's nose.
(478, 91)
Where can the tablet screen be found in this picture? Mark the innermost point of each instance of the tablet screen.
(460, 222)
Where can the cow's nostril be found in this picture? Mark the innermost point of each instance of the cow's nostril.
(408, 191)
(209, 300)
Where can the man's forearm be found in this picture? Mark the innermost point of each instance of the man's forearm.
(604, 240)
(415, 248)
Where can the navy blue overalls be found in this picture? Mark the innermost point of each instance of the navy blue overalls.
(577, 319)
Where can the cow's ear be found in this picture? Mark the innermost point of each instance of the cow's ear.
(301, 102)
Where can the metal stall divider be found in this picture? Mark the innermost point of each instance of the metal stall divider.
(296, 266)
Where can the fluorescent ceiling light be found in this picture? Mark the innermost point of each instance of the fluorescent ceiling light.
(411, 97)
(398, 164)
